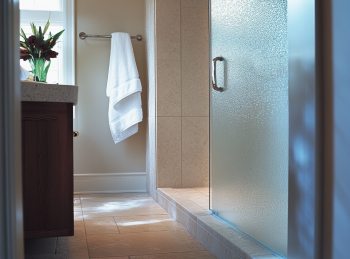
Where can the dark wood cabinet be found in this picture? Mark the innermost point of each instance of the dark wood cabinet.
(47, 155)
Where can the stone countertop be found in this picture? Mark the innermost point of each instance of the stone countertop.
(42, 92)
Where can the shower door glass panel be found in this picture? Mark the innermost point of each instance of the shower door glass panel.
(249, 119)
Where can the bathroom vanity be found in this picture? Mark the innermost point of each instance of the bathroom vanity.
(47, 159)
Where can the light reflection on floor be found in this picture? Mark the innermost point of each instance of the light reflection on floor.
(143, 222)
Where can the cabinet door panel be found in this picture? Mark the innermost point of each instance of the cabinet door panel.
(47, 169)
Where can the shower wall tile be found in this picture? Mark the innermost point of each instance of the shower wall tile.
(195, 3)
(168, 35)
(168, 30)
(195, 57)
(169, 151)
(182, 93)
(168, 87)
(195, 151)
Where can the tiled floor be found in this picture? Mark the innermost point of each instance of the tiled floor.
(120, 226)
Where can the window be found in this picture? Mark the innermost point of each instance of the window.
(60, 13)
(41, 5)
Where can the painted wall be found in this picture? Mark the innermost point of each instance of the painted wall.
(94, 150)
(182, 47)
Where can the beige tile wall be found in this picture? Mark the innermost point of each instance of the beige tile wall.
(182, 42)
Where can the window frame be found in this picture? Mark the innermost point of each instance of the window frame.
(67, 16)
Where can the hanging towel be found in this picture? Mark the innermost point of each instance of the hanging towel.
(123, 89)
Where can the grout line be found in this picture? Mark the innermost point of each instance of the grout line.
(181, 81)
(83, 218)
(56, 244)
(115, 221)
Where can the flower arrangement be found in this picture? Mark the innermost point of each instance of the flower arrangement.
(38, 50)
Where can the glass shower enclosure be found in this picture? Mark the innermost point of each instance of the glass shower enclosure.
(249, 118)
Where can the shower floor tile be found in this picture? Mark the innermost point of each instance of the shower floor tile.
(198, 197)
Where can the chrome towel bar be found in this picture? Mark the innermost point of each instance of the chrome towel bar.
(83, 36)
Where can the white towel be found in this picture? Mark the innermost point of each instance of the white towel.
(123, 89)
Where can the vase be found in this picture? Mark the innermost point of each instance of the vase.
(40, 68)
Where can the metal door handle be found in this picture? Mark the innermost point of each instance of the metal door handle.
(214, 83)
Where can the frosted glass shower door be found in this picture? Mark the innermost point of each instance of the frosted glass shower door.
(249, 118)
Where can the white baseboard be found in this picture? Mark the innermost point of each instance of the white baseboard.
(110, 183)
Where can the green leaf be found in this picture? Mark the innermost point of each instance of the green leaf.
(24, 36)
(46, 70)
(40, 33)
(34, 31)
(46, 27)
(23, 44)
(57, 35)
(54, 38)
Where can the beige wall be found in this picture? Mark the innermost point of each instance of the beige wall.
(182, 93)
(94, 150)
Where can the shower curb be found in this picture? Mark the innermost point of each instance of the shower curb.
(220, 238)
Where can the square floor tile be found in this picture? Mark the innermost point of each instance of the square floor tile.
(186, 255)
(78, 215)
(46, 256)
(100, 226)
(72, 247)
(141, 243)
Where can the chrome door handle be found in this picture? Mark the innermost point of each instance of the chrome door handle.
(214, 83)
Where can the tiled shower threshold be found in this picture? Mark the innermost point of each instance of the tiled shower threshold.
(190, 208)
